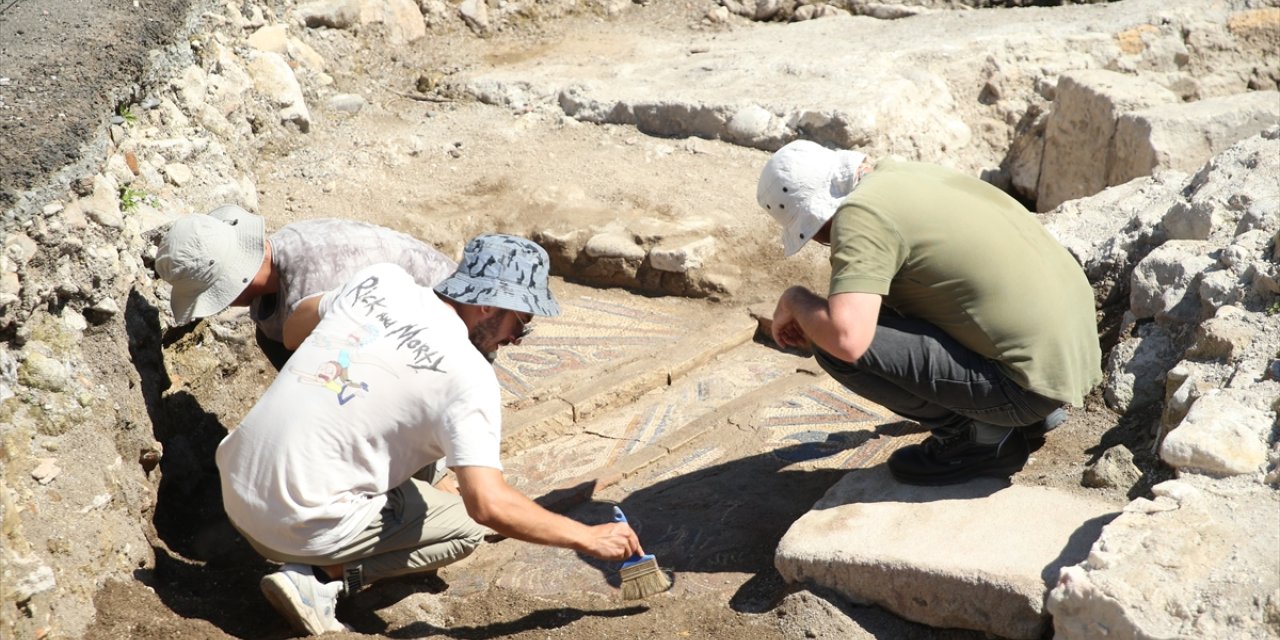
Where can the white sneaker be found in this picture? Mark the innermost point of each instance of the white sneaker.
(306, 602)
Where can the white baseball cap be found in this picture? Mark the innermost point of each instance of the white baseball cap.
(802, 185)
(210, 259)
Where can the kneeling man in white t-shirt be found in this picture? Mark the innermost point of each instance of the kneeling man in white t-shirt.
(390, 377)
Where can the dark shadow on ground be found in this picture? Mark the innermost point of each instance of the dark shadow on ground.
(729, 517)
(274, 351)
(540, 619)
(203, 569)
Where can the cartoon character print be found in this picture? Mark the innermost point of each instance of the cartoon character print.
(335, 375)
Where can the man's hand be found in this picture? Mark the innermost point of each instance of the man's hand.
(842, 326)
(614, 541)
(787, 332)
(491, 502)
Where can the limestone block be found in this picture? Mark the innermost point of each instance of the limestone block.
(272, 37)
(178, 173)
(1220, 435)
(683, 257)
(1163, 285)
(404, 21)
(1218, 288)
(980, 555)
(1225, 336)
(475, 13)
(1184, 384)
(562, 247)
(118, 169)
(1198, 561)
(10, 289)
(1110, 231)
(273, 78)
(168, 150)
(103, 206)
(39, 371)
(755, 126)
(764, 9)
(19, 248)
(1185, 135)
(1136, 368)
(1078, 133)
(227, 82)
(190, 88)
(74, 217)
(303, 53)
(614, 245)
(815, 11)
(1191, 220)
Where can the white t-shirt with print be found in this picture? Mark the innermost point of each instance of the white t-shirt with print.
(385, 385)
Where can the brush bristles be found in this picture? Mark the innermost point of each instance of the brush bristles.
(643, 579)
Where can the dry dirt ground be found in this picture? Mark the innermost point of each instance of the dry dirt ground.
(445, 171)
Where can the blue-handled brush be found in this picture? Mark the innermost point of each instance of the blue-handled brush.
(640, 574)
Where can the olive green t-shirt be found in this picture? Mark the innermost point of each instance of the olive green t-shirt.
(966, 257)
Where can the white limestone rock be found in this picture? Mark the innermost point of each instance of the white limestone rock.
(274, 79)
(1164, 283)
(1184, 135)
(1080, 129)
(1220, 435)
(1136, 368)
(103, 206)
(1198, 561)
(683, 257)
(273, 38)
(1110, 231)
(334, 14)
(614, 245)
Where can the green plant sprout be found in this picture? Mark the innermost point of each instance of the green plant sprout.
(130, 198)
(125, 112)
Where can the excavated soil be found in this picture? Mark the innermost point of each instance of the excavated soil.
(442, 171)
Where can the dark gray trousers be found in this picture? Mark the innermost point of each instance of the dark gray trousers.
(916, 370)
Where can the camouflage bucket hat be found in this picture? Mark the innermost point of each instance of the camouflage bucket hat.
(505, 272)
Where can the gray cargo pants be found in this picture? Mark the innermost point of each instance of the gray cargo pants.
(916, 370)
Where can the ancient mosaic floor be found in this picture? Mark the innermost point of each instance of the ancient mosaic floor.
(712, 468)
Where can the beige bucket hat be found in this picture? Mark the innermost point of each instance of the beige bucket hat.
(210, 259)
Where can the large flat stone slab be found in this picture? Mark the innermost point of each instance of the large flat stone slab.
(980, 556)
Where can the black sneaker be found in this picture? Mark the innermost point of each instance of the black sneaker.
(953, 458)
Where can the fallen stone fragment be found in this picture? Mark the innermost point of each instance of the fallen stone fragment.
(1115, 469)
(46, 470)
